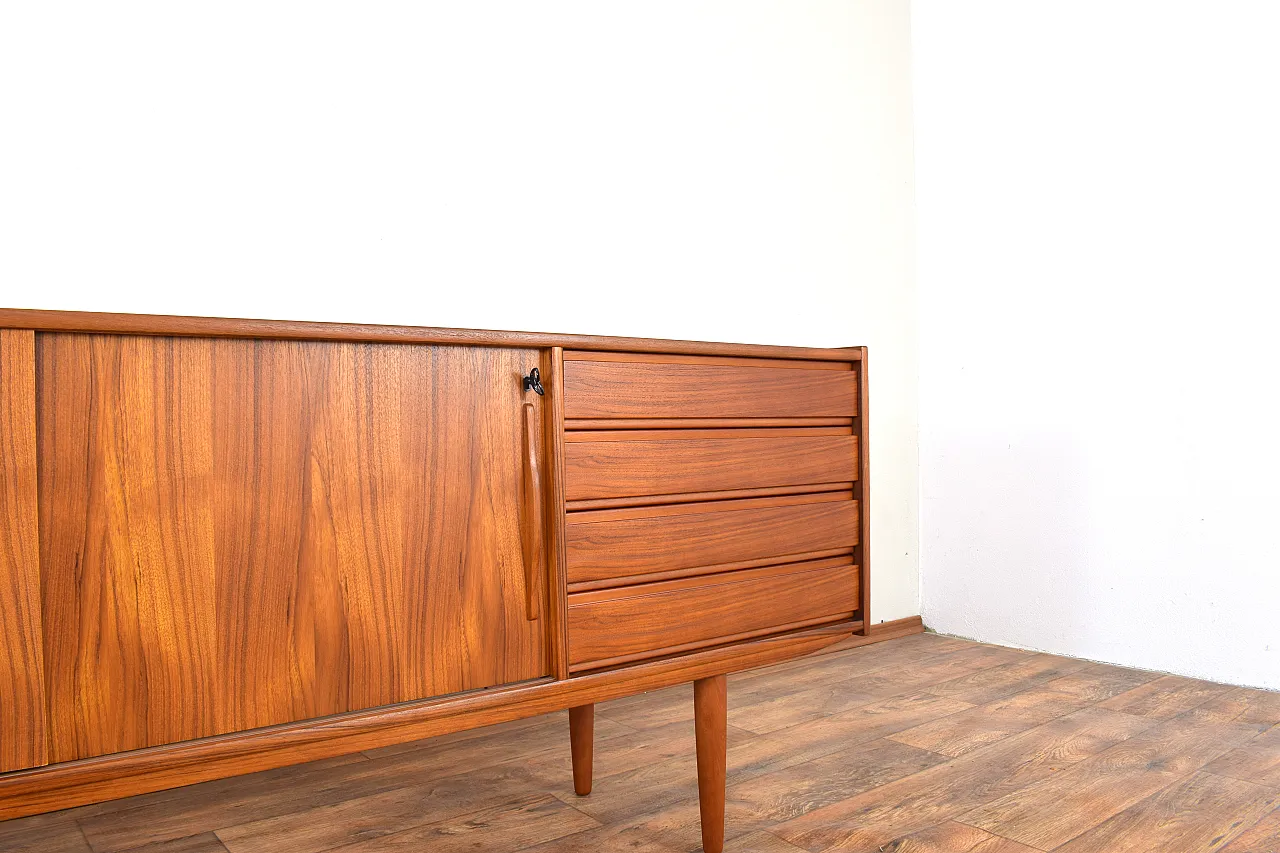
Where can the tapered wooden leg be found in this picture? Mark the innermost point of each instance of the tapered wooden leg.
(582, 724)
(710, 705)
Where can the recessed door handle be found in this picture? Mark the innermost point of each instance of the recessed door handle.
(532, 499)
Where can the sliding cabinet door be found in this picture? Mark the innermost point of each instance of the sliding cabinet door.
(22, 721)
(239, 533)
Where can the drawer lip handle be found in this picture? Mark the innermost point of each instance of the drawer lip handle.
(532, 523)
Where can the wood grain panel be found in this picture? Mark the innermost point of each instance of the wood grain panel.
(614, 624)
(387, 526)
(695, 535)
(126, 465)
(753, 459)
(246, 533)
(610, 389)
(22, 699)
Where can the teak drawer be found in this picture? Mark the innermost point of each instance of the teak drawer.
(705, 388)
(626, 463)
(620, 625)
(624, 543)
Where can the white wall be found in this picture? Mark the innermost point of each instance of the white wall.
(724, 170)
(1099, 209)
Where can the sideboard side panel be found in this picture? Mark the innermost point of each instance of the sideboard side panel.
(22, 703)
(863, 491)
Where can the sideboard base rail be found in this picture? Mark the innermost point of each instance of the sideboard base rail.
(108, 777)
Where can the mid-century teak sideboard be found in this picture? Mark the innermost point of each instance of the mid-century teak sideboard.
(230, 545)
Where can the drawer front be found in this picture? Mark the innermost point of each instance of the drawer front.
(706, 389)
(627, 463)
(617, 626)
(625, 543)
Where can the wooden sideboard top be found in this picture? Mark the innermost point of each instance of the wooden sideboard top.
(220, 327)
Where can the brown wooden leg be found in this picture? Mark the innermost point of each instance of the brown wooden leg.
(581, 741)
(710, 706)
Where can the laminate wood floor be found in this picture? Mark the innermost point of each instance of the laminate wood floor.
(924, 744)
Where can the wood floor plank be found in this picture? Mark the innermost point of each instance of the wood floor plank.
(1257, 761)
(405, 807)
(874, 659)
(792, 707)
(43, 833)
(759, 842)
(1097, 682)
(634, 749)
(1244, 705)
(976, 727)
(1202, 813)
(869, 658)
(205, 842)
(1262, 837)
(647, 788)
(512, 826)
(770, 798)
(213, 805)
(657, 707)
(872, 819)
(656, 787)
(953, 837)
(1166, 697)
(989, 685)
(825, 735)
(649, 710)
(1055, 810)
(614, 836)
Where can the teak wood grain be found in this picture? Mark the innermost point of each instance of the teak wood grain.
(243, 533)
(23, 740)
(693, 535)
(646, 618)
(750, 459)
(617, 389)
(127, 542)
